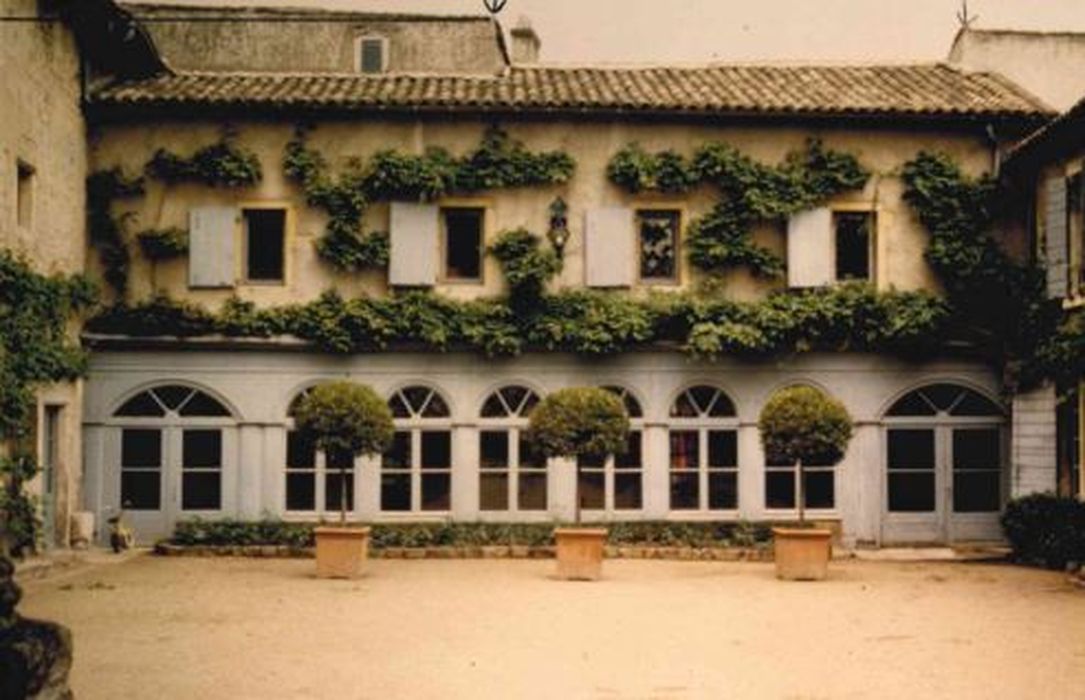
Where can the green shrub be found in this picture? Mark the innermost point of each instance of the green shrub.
(579, 422)
(20, 523)
(1046, 530)
(802, 424)
(163, 244)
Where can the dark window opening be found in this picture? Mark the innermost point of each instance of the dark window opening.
(463, 244)
(658, 244)
(371, 55)
(265, 240)
(853, 238)
(24, 193)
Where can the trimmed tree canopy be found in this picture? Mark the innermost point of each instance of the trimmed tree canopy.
(802, 424)
(578, 422)
(344, 416)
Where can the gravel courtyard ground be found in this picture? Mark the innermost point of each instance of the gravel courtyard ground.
(232, 628)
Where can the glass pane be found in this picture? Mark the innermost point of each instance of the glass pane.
(976, 492)
(722, 490)
(942, 395)
(493, 448)
(912, 405)
(372, 56)
(463, 243)
(416, 397)
(265, 231)
(141, 490)
(493, 491)
(530, 457)
(172, 395)
(723, 408)
(591, 461)
(141, 448)
(780, 489)
(658, 234)
(627, 491)
(683, 407)
(436, 408)
(300, 451)
(399, 407)
(819, 489)
(529, 404)
(632, 457)
(911, 492)
(532, 495)
(436, 492)
(201, 449)
(333, 490)
(396, 492)
(722, 448)
(204, 406)
(911, 449)
(141, 406)
(685, 449)
(493, 408)
(978, 448)
(685, 491)
(514, 396)
(201, 491)
(592, 490)
(702, 397)
(336, 460)
(436, 449)
(398, 455)
(853, 244)
(975, 405)
(300, 491)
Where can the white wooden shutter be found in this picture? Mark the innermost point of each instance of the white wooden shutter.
(414, 245)
(610, 247)
(811, 248)
(1055, 237)
(212, 246)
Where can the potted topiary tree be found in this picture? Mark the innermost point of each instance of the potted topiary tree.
(345, 417)
(572, 423)
(798, 426)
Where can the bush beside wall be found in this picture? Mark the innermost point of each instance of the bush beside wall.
(1046, 530)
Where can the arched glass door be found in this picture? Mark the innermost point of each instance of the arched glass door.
(944, 466)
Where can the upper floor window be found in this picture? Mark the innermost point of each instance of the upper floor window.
(372, 54)
(657, 231)
(24, 193)
(265, 244)
(462, 229)
(854, 242)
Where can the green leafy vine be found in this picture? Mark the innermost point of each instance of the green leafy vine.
(220, 164)
(163, 244)
(107, 232)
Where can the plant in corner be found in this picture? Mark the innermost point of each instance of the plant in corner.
(801, 425)
(574, 423)
(344, 417)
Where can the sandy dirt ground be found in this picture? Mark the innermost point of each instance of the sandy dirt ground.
(232, 628)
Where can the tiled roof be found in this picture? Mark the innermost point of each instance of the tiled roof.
(917, 90)
(1060, 138)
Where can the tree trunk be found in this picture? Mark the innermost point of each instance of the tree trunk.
(342, 495)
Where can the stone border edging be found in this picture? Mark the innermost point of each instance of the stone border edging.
(469, 552)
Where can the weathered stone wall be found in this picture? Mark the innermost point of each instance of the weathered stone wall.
(41, 126)
(900, 239)
(263, 39)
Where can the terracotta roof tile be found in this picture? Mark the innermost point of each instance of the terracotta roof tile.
(930, 90)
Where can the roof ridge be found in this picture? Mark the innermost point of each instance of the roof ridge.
(300, 10)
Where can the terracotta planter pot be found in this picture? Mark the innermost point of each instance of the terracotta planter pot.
(341, 551)
(801, 554)
(580, 552)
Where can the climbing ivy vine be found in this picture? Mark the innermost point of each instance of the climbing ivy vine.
(498, 162)
(220, 164)
(108, 232)
(749, 192)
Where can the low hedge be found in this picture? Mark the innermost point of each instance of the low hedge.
(1046, 530)
(649, 533)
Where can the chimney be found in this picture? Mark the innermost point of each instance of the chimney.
(525, 42)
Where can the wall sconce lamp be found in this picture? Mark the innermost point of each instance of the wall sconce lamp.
(558, 234)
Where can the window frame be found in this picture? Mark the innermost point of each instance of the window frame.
(702, 425)
(243, 242)
(874, 214)
(513, 427)
(415, 426)
(359, 62)
(443, 241)
(659, 207)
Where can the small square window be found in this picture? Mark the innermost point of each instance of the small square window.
(463, 244)
(371, 55)
(265, 244)
(24, 193)
(854, 235)
(658, 232)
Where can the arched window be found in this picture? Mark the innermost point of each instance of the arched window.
(703, 451)
(147, 420)
(315, 480)
(512, 476)
(616, 482)
(944, 439)
(416, 472)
